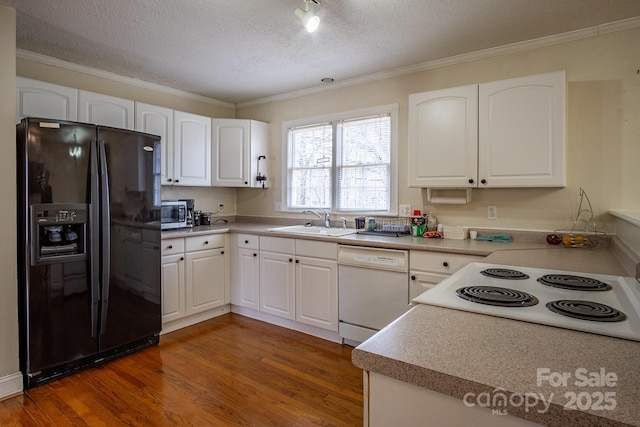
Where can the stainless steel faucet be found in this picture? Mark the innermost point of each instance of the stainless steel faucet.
(324, 218)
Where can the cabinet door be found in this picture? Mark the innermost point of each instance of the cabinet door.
(205, 280)
(277, 286)
(230, 166)
(246, 279)
(421, 282)
(105, 110)
(317, 292)
(522, 132)
(40, 99)
(173, 287)
(192, 149)
(443, 138)
(158, 121)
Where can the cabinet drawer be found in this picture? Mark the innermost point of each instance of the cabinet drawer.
(247, 241)
(207, 241)
(277, 244)
(440, 262)
(315, 249)
(172, 246)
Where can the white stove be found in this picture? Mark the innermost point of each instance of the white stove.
(595, 303)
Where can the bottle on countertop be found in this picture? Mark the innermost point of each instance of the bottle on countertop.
(432, 222)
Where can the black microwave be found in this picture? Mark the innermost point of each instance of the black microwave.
(173, 214)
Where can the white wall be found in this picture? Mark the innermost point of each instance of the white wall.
(8, 283)
(603, 131)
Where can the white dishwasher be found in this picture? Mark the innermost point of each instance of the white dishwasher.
(373, 290)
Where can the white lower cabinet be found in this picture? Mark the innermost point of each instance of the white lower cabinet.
(317, 292)
(277, 277)
(245, 279)
(205, 280)
(427, 269)
(317, 284)
(173, 292)
(195, 282)
(292, 279)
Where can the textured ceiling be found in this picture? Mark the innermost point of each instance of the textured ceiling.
(243, 50)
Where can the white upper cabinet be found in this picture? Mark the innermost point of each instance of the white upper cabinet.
(105, 110)
(158, 121)
(40, 99)
(192, 149)
(443, 137)
(509, 133)
(522, 132)
(240, 149)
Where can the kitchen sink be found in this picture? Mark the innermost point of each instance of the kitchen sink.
(314, 230)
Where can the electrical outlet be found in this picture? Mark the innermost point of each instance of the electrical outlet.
(405, 210)
(492, 212)
(220, 206)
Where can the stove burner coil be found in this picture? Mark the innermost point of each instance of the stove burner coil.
(504, 273)
(586, 310)
(573, 283)
(494, 295)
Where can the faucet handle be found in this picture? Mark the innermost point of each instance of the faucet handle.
(344, 223)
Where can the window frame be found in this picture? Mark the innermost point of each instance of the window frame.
(391, 110)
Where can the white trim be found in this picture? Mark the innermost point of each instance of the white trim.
(54, 62)
(10, 385)
(632, 217)
(453, 60)
(391, 109)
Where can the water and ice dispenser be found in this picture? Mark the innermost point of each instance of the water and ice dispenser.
(58, 232)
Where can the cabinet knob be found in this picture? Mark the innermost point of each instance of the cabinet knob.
(177, 180)
(221, 252)
(290, 259)
(297, 261)
(181, 258)
(206, 242)
(413, 277)
(255, 254)
(470, 180)
(170, 247)
(169, 179)
(445, 264)
(246, 183)
(483, 181)
(246, 242)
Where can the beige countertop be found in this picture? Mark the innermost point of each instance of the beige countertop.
(470, 247)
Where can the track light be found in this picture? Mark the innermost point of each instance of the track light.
(309, 20)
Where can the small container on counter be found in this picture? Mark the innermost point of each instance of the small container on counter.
(360, 222)
(371, 224)
(205, 218)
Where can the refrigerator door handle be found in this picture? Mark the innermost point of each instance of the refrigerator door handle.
(94, 221)
(105, 217)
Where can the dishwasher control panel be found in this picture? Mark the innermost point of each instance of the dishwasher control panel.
(383, 259)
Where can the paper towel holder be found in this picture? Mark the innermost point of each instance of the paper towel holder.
(462, 200)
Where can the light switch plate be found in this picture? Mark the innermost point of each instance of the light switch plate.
(405, 210)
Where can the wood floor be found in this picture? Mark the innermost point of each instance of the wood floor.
(227, 371)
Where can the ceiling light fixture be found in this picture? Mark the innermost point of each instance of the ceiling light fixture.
(309, 20)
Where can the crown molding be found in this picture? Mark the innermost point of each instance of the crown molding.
(55, 62)
(458, 59)
(438, 63)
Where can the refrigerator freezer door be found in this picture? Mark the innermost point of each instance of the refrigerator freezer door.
(133, 229)
(54, 289)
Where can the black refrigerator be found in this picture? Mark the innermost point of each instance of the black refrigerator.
(88, 245)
